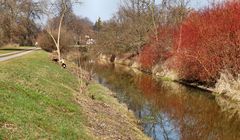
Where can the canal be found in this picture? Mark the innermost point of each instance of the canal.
(167, 110)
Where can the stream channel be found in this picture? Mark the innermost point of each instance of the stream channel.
(167, 110)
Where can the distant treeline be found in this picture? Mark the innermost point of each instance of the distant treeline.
(27, 21)
(17, 23)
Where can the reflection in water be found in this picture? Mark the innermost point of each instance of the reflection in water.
(168, 110)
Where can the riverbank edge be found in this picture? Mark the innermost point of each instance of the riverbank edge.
(107, 118)
(135, 67)
(226, 101)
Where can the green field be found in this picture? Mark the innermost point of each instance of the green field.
(37, 101)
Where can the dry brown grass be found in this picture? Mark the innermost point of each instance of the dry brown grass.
(229, 85)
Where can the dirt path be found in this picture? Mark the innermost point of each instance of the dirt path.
(5, 57)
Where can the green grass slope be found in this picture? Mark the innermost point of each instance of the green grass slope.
(36, 100)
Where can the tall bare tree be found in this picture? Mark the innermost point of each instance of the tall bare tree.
(58, 9)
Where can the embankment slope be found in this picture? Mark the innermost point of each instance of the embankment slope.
(40, 100)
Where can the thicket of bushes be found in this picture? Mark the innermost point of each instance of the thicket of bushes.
(210, 43)
(46, 42)
(128, 30)
(73, 31)
(204, 45)
(158, 50)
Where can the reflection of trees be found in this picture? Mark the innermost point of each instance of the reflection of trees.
(160, 126)
(123, 83)
(175, 111)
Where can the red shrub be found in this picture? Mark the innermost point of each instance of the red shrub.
(149, 56)
(157, 50)
(209, 42)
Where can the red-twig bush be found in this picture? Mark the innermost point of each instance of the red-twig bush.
(149, 56)
(157, 50)
(208, 42)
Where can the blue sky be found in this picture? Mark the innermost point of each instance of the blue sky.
(106, 8)
(97, 8)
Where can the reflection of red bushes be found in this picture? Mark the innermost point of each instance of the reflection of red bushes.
(210, 42)
(147, 85)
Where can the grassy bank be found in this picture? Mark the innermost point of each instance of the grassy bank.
(40, 100)
(36, 100)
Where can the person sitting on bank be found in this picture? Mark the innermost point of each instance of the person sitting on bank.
(62, 62)
(36, 44)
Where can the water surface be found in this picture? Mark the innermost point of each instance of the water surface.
(167, 110)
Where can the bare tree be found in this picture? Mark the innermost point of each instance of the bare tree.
(17, 23)
(180, 11)
(57, 9)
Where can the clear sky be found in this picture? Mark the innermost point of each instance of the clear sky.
(106, 8)
(97, 8)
